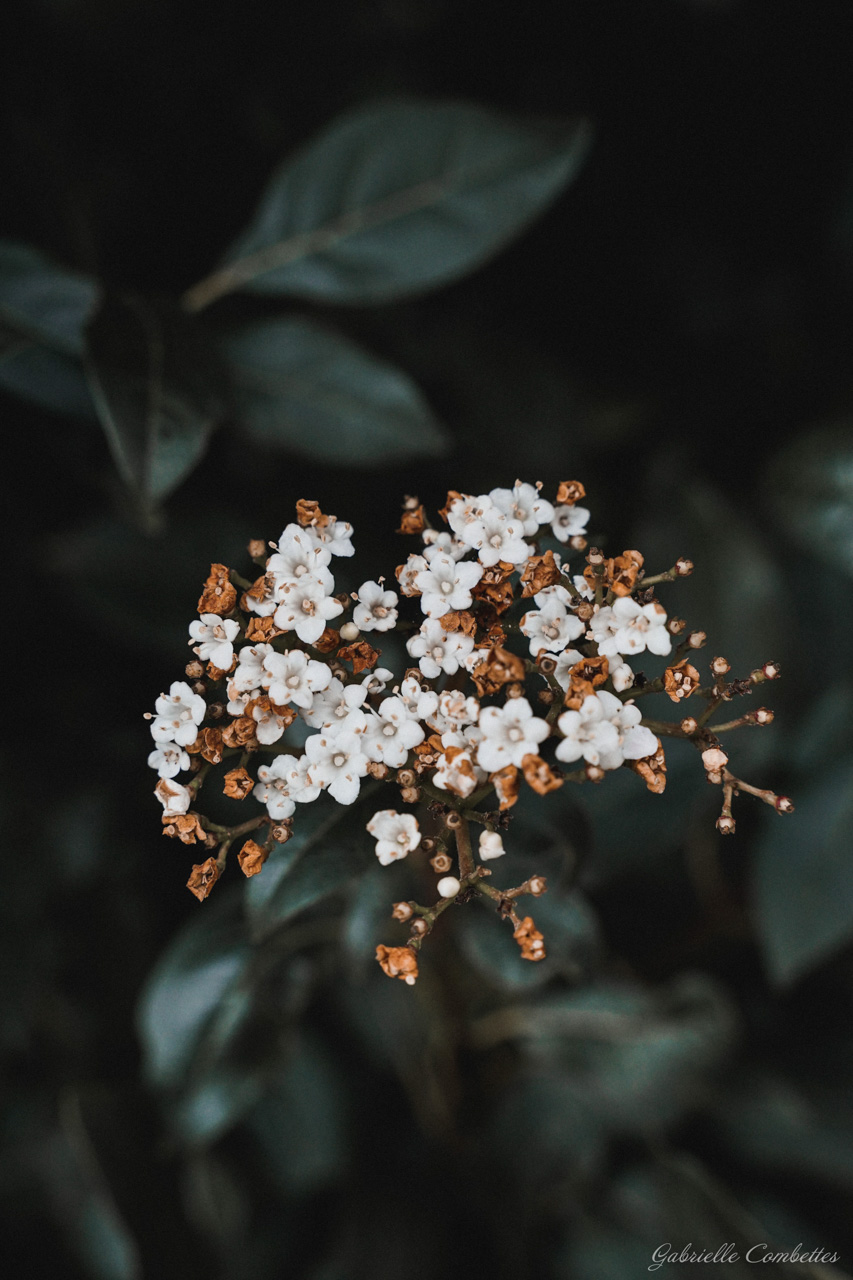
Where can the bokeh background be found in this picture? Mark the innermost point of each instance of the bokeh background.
(185, 1100)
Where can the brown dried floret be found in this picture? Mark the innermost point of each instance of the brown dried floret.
(540, 572)
(498, 667)
(530, 940)
(308, 513)
(457, 620)
(238, 783)
(252, 858)
(413, 519)
(262, 630)
(186, 827)
(452, 495)
(240, 732)
(362, 656)
(620, 573)
(680, 680)
(329, 641)
(570, 492)
(219, 595)
(219, 673)
(506, 784)
(398, 962)
(203, 877)
(539, 775)
(652, 769)
(208, 744)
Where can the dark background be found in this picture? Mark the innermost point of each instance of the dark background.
(676, 331)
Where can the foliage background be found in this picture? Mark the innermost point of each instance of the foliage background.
(676, 331)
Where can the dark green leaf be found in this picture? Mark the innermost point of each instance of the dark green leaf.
(804, 878)
(43, 310)
(396, 198)
(156, 385)
(810, 487)
(302, 388)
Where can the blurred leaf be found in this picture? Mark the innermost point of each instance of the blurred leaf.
(300, 1125)
(43, 310)
(571, 939)
(810, 488)
(186, 990)
(398, 197)
(804, 878)
(369, 912)
(214, 1101)
(303, 388)
(827, 730)
(156, 383)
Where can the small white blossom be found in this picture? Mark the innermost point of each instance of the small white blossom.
(453, 711)
(174, 797)
(250, 674)
(270, 725)
(569, 522)
(522, 503)
(566, 660)
(280, 784)
(464, 510)
(376, 609)
(179, 713)
(396, 834)
(335, 536)
(621, 675)
(214, 637)
(168, 759)
(510, 733)
(447, 584)
(408, 572)
(495, 538)
(436, 544)
(392, 733)
(337, 763)
(491, 845)
(334, 703)
(306, 608)
(552, 627)
(238, 699)
(626, 627)
(294, 677)
(449, 886)
(457, 772)
(377, 680)
(421, 702)
(298, 554)
(438, 650)
(605, 732)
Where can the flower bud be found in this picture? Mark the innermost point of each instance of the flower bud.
(216, 710)
(784, 805)
(491, 845)
(410, 795)
(594, 773)
(595, 557)
(764, 716)
(585, 610)
(406, 777)
(377, 770)
(696, 639)
(449, 887)
(546, 696)
(714, 759)
(771, 670)
(419, 926)
(719, 666)
(537, 886)
(683, 567)
(714, 777)
(675, 626)
(515, 690)
(257, 548)
(452, 820)
(282, 832)
(194, 670)
(726, 824)
(578, 543)
(349, 632)
(199, 687)
(689, 725)
(441, 862)
(402, 911)
(547, 664)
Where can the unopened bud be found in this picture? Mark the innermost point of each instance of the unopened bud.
(194, 670)
(726, 824)
(689, 726)
(401, 911)
(410, 795)
(784, 805)
(515, 690)
(349, 632)
(714, 759)
(441, 863)
(452, 820)
(577, 543)
(216, 710)
(696, 639)
(257, 548)
(676, 626)
(764, 715)
(536, 885)
(282, 832)
(547, 664)
(595, 557)
(210, 840)
(428, 845)
(449, 887)
(419, 926)
(200, 688)
(771, 670)
(491, 845)
(719, 666)
(594, 773)
(684, 567)
(585, 610)
(546, 696)
(406, 777)
(714, 777)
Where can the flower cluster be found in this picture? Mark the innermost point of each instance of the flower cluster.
(523, 643)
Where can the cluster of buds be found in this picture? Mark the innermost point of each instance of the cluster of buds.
(522, 665)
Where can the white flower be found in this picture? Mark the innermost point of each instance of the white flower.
(627, 627)
(306, 608)
(510, 733)
(274, 789)
(457, 772)
(436, 544)
(567, 659)
(337, 762)
(298, 554)
(421, 702)
(249, 674)
(179, 713)
(334, 703)
(495, 538)
(621, 675)
(294, 677)
(453, 711)
(464, 510)
(438, 650)
(588, 733)
(376, 681)
(238, 699)
(392, 733)
(569, 522)
(168, 759)
(449, 886)
(408, 572)
(266, 606)
(636, 741)
(491, 845)
(447, 584)
(396, 834)
(174, 797)
(552, 627)
(270, 724)
(335, 536)
(215, 636)
(522, 502)
(376, 609)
